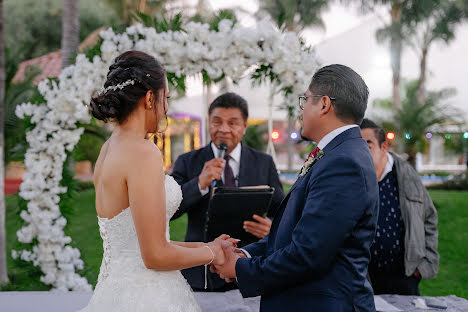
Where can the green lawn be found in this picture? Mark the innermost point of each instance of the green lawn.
(83, 228)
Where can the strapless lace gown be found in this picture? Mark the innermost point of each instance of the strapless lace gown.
(124, 283)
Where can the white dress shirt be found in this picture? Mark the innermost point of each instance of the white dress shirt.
(388, 166)
(234, 162)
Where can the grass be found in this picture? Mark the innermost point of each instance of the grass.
(83, 228)
(452, 207)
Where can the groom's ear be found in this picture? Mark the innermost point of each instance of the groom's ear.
(326, 104)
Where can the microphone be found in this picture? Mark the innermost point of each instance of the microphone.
(222, 151)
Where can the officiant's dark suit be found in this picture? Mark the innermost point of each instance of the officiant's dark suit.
(228, 117)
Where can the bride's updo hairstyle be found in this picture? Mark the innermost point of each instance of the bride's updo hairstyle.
(131, 76)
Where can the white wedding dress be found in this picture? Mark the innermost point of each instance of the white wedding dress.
(124, 283)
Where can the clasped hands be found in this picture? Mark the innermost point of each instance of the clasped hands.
(226, 256)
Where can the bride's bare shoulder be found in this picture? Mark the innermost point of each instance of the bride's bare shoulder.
(144, 149)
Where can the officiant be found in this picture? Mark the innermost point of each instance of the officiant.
(196, 171)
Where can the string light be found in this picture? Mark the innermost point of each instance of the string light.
(275, 135)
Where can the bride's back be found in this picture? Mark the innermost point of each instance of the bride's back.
(113, 164)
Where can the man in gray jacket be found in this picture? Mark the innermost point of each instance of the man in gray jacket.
(405, 245)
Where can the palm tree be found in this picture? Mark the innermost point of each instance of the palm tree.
(70, 30)
(126, 9)
(3, 267)
(414, 119)
(294, 15)
(438, 21)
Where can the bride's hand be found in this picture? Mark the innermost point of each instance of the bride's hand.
(225, 237)
(216, 247)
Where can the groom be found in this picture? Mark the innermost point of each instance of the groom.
(316, 255)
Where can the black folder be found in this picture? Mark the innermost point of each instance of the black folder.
(229, 207)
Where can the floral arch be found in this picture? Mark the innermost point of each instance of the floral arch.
(57, 119)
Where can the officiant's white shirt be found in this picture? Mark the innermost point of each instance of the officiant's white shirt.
(322, 144)
(234, 162)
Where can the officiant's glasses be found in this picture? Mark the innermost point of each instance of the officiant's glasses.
(303, 98)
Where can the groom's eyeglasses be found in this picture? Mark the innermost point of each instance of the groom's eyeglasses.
(303, 99)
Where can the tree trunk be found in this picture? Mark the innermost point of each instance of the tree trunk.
(290, 143)
(3, 258)
(395, 54)
(70, 30)
(412, 151)
(142, 6)
(422, 75)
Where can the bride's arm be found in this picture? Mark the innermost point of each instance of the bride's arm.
(233, 241)
(146, 191)
(189, 244)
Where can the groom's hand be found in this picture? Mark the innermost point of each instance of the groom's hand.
(227, 270)
(260, 229)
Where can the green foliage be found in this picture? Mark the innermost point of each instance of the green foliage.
(255, 137)
(16, 93)
(33, 28)
(415, 118)
(263, 74)
(93, 51)
(457, 143)
(222, 15)
(89, 146)
(294, 15)
(214, 19)
(161, 24)
(126, 9)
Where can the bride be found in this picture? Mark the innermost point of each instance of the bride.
(135, 200)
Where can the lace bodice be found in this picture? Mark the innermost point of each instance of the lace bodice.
(124, 282)
(118, 234)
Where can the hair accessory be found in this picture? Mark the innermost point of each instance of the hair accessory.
(118, 86)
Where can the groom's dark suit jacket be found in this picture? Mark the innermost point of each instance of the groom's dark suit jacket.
(256, 168)
(316, 255)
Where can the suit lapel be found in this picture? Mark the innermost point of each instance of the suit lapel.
(284, 203)
(243, 166)
(208, 152)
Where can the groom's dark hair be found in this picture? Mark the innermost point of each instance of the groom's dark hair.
(348, 89)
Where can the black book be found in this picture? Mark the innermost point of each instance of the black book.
(229, 207)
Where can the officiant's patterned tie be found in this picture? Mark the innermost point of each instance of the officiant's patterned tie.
(228, 173)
